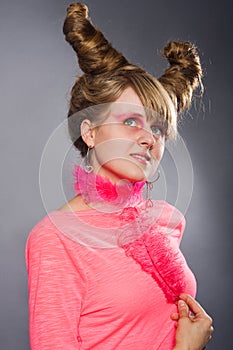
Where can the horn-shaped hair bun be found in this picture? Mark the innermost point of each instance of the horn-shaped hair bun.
(184, 74)
(95, 54)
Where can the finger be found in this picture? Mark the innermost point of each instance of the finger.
(183, 309)
(193, 305)
(175, 316)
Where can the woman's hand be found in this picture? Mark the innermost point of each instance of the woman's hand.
(194, 325)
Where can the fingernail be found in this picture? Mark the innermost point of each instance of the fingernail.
(181, 303)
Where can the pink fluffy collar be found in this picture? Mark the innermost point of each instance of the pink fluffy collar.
(98, 191)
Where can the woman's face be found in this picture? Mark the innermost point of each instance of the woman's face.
(126, 145)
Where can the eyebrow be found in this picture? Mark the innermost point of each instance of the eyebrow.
(130, 114)
(160, 122)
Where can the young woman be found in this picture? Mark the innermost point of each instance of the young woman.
(105, 270)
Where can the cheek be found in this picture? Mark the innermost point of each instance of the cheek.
(113, 149)
(107, 133)
(158, 150)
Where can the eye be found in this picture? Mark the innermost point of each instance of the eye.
(131, 122)
(157, 130)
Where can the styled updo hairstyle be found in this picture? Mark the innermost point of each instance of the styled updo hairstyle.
(107, 73)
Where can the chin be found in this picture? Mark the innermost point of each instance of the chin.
(123, 171)
(134, 177)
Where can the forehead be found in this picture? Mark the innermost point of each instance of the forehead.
(129, 102)
(129, 96)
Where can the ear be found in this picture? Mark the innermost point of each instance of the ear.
(87, 133)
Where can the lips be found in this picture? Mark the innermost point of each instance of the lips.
(142, 157)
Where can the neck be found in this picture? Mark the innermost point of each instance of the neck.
(99, 192)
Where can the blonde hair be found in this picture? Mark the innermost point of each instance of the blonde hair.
(107, 73)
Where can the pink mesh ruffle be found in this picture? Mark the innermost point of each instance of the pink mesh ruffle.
(147, 241)
(153, 251)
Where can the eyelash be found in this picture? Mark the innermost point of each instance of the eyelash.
(162, 131)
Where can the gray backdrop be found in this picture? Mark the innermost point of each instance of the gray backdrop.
(37, 70)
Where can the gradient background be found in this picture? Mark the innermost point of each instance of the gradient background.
(37, 70)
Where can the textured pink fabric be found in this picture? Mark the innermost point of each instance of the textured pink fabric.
(97, 298)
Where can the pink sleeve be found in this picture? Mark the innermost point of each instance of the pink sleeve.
(56, 289)
(172, 221)
(177, 232)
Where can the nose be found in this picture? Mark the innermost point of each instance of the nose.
(146, 139)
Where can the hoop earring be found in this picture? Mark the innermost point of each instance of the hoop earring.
(88, 167)
(149, 188)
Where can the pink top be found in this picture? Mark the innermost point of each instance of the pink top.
(95, 297)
